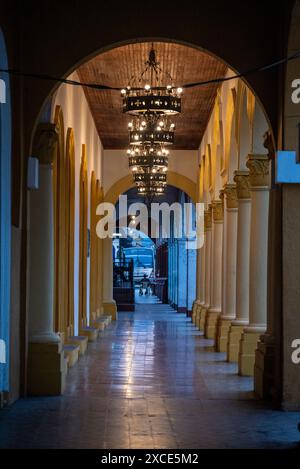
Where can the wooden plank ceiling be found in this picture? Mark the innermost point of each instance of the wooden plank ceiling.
(184, 64)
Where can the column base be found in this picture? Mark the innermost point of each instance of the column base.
(264, 369)
(248, 346)
(202, 318)
(79, 340)
(110, 308)
(223, 326)
(233, 347)
(198, 314)
(47, 369)
(211, 322)
(194, 312)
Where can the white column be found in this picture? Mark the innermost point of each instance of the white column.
(197, 301)
(170, 269)
(224, 268)
(243, 264)
(216, 274)
(46, 363)
(202, 273)
(175, 272)
(259, 188)
(229, 280)
(191, 275)
(206, 268)
(109, 304)
(181, 275)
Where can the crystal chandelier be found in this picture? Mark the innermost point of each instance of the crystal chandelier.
(151, 127)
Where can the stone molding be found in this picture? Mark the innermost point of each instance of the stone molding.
(258, 170)
(207, 219)
(242, 180)
(231, 196)
(45, 143)
(218, 211)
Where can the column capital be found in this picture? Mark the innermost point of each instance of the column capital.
(231, 195)
(45, 143)
(222, 195)
(259, 170)
(218, 211)
(207, 219)
(242, 180)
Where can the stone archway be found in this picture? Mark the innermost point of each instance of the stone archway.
(174, 179)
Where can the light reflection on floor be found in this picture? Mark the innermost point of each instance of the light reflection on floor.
(150, 381)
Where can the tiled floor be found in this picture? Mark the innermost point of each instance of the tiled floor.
(145, 299)
(151, 381)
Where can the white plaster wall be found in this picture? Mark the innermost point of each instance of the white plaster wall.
(77, 115)
(211, 135)
(115, 165)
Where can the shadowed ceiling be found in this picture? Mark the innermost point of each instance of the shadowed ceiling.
(184, 64)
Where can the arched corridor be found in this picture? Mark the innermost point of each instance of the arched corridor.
(150, 381)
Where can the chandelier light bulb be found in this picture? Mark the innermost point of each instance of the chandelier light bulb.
(161, 123)
(158, 128)
(147, 87)
(130, 125)
(179, 90)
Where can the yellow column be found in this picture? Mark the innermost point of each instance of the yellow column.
(46, 363)
(93, 249)
(83, 245)
(109, 304)
(100, 259)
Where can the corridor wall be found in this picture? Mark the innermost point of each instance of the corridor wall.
(77, 116)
